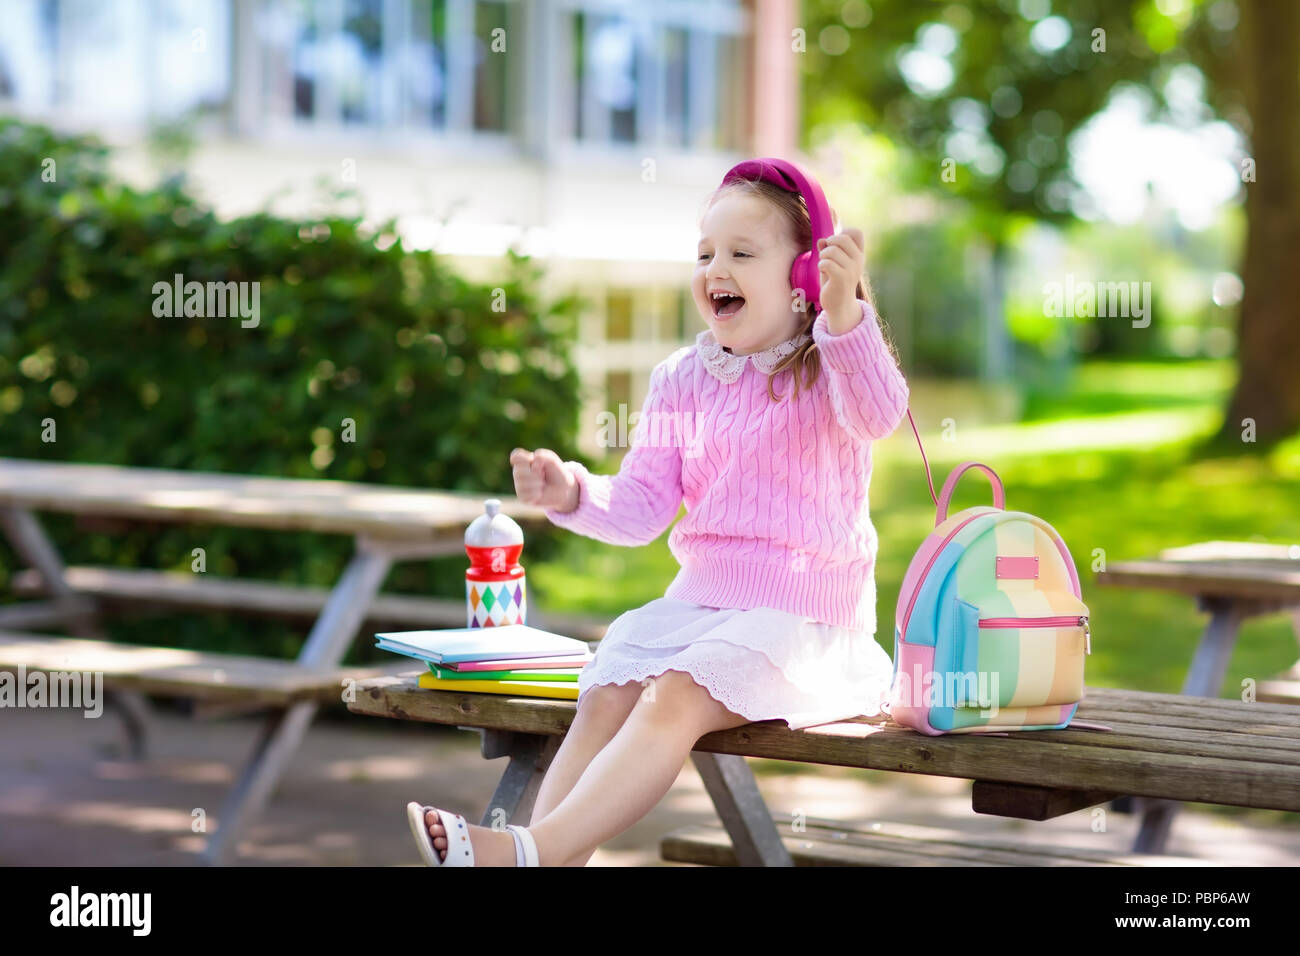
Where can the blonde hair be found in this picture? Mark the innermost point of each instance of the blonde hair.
(805, 360)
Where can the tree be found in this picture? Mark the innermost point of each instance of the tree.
(1267, 70)
(1026, 74)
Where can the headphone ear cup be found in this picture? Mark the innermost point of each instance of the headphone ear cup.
(803, 275)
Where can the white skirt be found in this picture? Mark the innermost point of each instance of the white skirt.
(761, 663)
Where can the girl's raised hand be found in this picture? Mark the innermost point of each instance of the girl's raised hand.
(840, 259)
(542, 480)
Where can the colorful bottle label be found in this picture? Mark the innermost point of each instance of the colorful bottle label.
(495, 587)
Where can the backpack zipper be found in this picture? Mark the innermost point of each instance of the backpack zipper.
(1071, 620)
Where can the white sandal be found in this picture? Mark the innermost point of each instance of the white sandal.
(525, 845)
(460, 852)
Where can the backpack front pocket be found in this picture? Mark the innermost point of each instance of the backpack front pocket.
(1020, 660)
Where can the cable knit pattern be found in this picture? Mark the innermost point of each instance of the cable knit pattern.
(775, 492)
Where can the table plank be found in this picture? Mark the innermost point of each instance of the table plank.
(1075, 759)
(1153, 702)
(1183, 710)
(886, 843)
(1237, 569)
(1249, 727)
(165, 671)
(135, 589)
(390, 512)
(1231, 550)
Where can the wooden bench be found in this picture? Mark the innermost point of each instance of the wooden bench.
(1160, 746)
(129, 589)
(1232, 581)
(388, 525)
(225, 683)
(820, 842)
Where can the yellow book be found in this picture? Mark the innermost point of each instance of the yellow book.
(561, 690)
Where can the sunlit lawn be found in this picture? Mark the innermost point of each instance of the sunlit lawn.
(1107, 465)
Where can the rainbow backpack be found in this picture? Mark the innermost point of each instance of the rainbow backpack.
(991, 630)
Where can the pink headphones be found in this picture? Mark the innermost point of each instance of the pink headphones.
(803, 273)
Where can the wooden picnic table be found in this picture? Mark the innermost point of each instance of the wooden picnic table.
(389, 524)
(1232, 581)
(1207, 750)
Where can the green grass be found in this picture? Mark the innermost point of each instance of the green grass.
(1108, 465)
(1101, 388)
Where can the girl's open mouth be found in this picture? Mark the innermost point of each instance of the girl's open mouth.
(726, 306)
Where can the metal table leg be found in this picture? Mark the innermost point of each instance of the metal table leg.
(530, 757)
(330, 637)
(736, 797)
(1204, 679)
(727, 778)
(34, 546)
(73, 612)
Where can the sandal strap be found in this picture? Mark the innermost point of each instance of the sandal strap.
(457, 834)
(458, 844)
(526, 843)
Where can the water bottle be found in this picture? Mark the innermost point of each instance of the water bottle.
(495, 590)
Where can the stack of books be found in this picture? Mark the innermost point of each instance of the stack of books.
(511, 659)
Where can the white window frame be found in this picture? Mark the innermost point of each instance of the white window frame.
(391, 130)
(704, 22)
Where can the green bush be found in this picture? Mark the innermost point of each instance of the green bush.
(368, 363)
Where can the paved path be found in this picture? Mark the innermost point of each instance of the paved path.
(67, 799)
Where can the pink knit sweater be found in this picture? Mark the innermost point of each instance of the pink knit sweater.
(775, 492)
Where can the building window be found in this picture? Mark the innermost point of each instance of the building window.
(360, 82)
(421, 64)
(663, 74)
(115, 63)
(307, 59)
(607, 74)
(734, 83)
(490, 75)
(618, 316)
(338, 54)
(424, 66)
(676, 95)
(577, 43)
(329, 57)
(618, 391)
(28, 44)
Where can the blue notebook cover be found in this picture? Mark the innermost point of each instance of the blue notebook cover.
(479, 643)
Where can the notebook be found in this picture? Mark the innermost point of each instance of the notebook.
(524, 663)
(507, 642)
(562, 690)
(554, 674)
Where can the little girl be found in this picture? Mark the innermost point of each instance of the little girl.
(773, 613)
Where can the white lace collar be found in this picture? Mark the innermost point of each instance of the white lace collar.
(728, 366)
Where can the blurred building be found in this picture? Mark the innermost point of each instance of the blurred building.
(587, 133)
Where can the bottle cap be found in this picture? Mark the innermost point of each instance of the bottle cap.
(492, 529)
